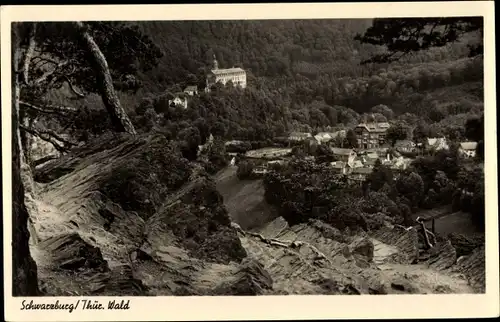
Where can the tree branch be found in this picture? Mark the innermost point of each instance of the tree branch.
(48, 136)
(50, 109)
(44, 137)
(73, 89)
(44, 61)
(50, 72)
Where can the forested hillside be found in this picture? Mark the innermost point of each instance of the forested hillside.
(302, 75)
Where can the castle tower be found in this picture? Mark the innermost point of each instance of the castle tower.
(216, 64)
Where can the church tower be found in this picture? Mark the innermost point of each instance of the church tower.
(216, 64)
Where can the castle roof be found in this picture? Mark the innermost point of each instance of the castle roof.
(233, 70)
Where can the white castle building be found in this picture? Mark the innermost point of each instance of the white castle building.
(237, 76)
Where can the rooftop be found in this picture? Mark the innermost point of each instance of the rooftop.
(227, 71)
(468, 145)
(341, 151)
(338, 164)
(375, 127)
(301, 134)
(191, 88)
(362, 170)
(433, 141)
(404, 143)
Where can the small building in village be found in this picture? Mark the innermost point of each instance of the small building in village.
(405, 146)
(358, 175)
(346, 155)
(191, 90)
(299, 136)
(325, 137)
(371, 135)
(400, 163)
(341, 167)
(468, 149)
(437, 144)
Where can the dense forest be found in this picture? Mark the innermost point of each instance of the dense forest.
(302, 75)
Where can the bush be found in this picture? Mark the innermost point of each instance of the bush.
(245, 169)
(217, 157)
(145, 181)
(202, 225)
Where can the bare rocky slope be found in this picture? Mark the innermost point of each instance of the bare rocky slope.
(177, 238)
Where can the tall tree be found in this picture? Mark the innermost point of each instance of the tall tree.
(46, 56)
(74, 53)
(24, 270)
(409, 35)
(119, 118)
(397, 132)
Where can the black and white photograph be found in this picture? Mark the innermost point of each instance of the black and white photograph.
(249, 157)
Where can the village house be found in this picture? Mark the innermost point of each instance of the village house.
(298, 136)
(405, 146)
(400, 163)
(357, 164)
(191, 90)
(437, 144)
(325, 137)
(371, 135)
(341, 167)
(358, 175)
(268, 153)
(346, 155)
(237, 76)
(312, 141)
(468, 149)
(178, 100)
(233, 142)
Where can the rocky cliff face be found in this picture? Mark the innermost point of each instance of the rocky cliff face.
(165, 231)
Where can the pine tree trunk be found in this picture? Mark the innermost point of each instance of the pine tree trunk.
(24, 270)
(119, 118)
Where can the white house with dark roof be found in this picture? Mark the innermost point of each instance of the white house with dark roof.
(405, 145)
(324, 137)
(299, 136)
(437, 144)
(191, 90)
(179, 100)
(345, 155)
(360, 174)
(468, 149)
(371, 135)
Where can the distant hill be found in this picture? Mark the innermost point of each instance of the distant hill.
(300, 73)
(270, 48)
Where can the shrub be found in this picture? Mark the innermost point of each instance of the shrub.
(245, 169)
(144, 182)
